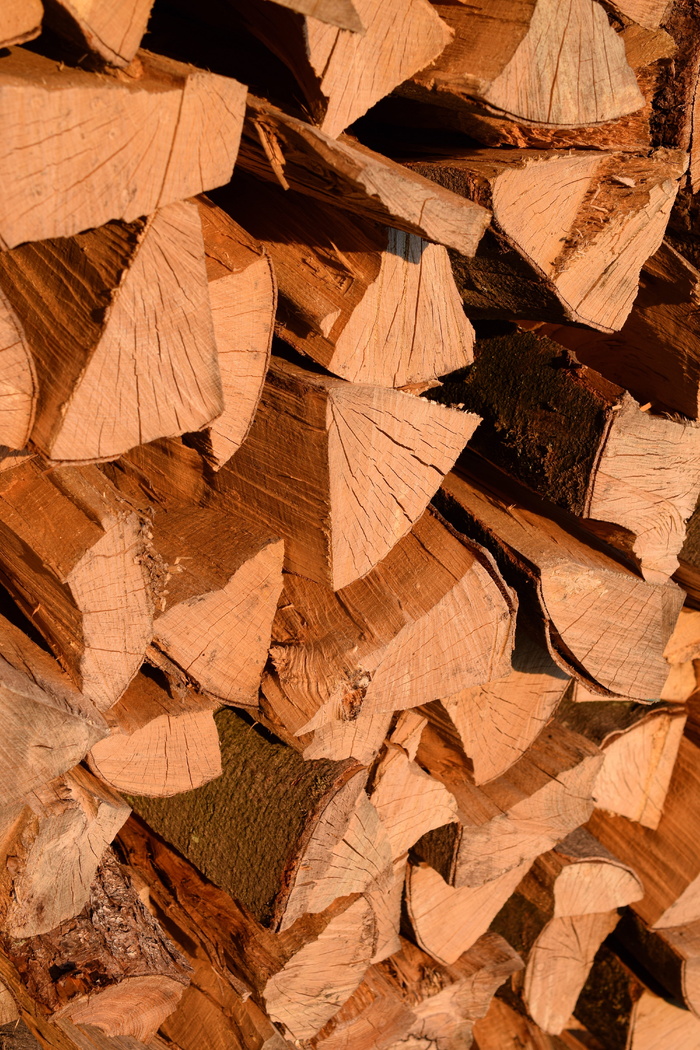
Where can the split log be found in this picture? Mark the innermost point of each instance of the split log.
(364, 300)
(557, 919)
(640, 745)
(386, 900)
(18, 382)
(505, 1028)
(432, 616)
(342, 74)
(47, 725)
(656, 353)
(650, 14)
(340, 13)
(585, 444)
(300, 834)
(166, 472)
(525, 63)
(625, 1014)
(162, 742)
(498, 720)
(20, 21)
(369, 459)
(243, 297)
(223, 577)
(409, 997)
(573, 250)
(188, 122)
(671, 955)
(536, 803)
(111, 966)
(119, 325)
(112, 34)
(613, 653)
(347, 174)
(666, 858)
(52, 850)
(73, 557)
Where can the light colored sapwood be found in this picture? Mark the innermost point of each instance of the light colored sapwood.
(187, 123)
(347, 174)
(110, 31)
(340, 13)
(385, 900)
(20, 21)
(18, 380)
(120, 327)
(368, 458)
(650, 14)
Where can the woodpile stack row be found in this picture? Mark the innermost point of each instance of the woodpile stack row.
(350, 577)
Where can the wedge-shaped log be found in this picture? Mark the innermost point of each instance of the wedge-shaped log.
(72, 556)
(606, 460)
(18, 380)
(514, 818)
(671, 955)
(341, 73)
(47, 725)
(340, 13)
(162, 742)
(432, 616)
(367, 460)
(243, 297)
(575, 590)
(571, 230)
(52, 850)
(640, 744)
(224, 577)
(188, 127)
(363, 300)
(166, 472)
(497, 720)
(20, 21)
(346, 174)
(125, 975)
(411, 998)
(120, 327)
(557, 919)
(300, 833)
(525, 62)
(112, 33)
(666, 858)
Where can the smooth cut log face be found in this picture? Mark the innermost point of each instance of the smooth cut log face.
(223, 578)
(115, 940)
(161, 743)
(53, 851)
(18, 380)
(579, 590)
(433, 614)
(119, 324)
(364, 301)
(72, 556)
(498, 720)
(572, 249)
(47, 725)
(20, 21)
(340, 13)
(529, 68)
(369, 460)
(189, 125)
(650, 14)
(348, 175)
(243, 298)
(110, 31)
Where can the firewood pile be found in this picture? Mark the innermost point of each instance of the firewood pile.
(349, 560)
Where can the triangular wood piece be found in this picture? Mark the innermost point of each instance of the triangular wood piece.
(111, 32)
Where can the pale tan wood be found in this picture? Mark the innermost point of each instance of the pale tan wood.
(243, 297)
(110, 31)
(385, 900)
(73, 557)
(684, 643)
(649, 14)
(188, 125)
(18, 380)
(47, 725)
(434, 614)
(578, 237)
(53, 851)
(580, 591)
(530, 68)
(584, 878)
(498, 720)
(656, 1021)
(20, 21)
(223, 579)
(503, 1028)
(8, 1007)
(347, 174)
(161, 743)
(446, 920)
(119, 323)
(340, 13)
(364, 301)
(369, 459)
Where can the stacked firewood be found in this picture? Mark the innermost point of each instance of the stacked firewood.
(350, 574)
